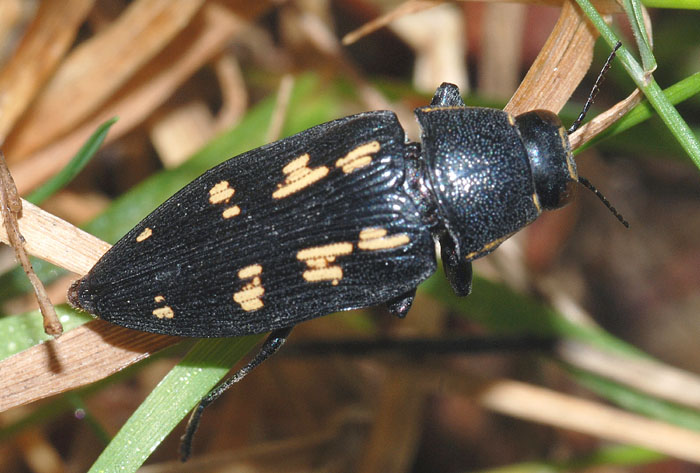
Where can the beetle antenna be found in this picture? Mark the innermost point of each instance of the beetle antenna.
(594, 90)
(587, 184)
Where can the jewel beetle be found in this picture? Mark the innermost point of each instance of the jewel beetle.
(341, 216)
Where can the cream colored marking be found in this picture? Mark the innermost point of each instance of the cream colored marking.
(511, 119)
(251, 305)
(375, 239)
(358, 158)
(159, 299)
(487, 247)
(319, 258)
(250, 271)
(331, 273)
(221, 193)
(536, 201)
(326, 251)
(250, 296)
(164, 312)
(371, 233)
(144, 235)
(298, 176)
(231, 211)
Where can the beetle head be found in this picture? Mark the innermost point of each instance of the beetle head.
(552, 163)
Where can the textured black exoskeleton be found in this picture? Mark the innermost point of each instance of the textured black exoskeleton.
(340, 216)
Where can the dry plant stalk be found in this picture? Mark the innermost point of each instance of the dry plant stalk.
(596, 419)
(104, 63)
(11, 207)
(645, 375)
(561, 64)
(203, 39)
(601, 122)
(50, 34)
(406, 8)
(81, 356)
(545, 406)
(57, 241)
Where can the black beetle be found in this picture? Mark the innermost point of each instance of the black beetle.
(340, 216)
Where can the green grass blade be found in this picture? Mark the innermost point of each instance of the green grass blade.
(646, 83)
(76, 164)
(605, 457)
(633, 9)
(680, 4)
(173, 398)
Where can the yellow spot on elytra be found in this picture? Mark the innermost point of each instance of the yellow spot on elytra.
(358, 157)
(221, 193)
(511, 119)
(298, 176)
(250, 295)
(319, 258)
(231, 211)
(375, 239)
(144, 235)
(250, 271)
(164, 312)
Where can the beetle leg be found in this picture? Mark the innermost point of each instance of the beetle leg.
(270, 346)
(457, 269)
(402, 304)
(447, 95)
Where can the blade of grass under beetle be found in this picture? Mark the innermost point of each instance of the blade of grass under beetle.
(173, 398)
(73, 168)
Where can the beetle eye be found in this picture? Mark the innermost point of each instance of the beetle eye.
(551, 161)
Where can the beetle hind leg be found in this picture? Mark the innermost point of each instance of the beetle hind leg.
(270, 346)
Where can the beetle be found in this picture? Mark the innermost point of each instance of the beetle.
(341, 216)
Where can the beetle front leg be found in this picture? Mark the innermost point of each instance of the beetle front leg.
(457, 269)
(447, 95)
